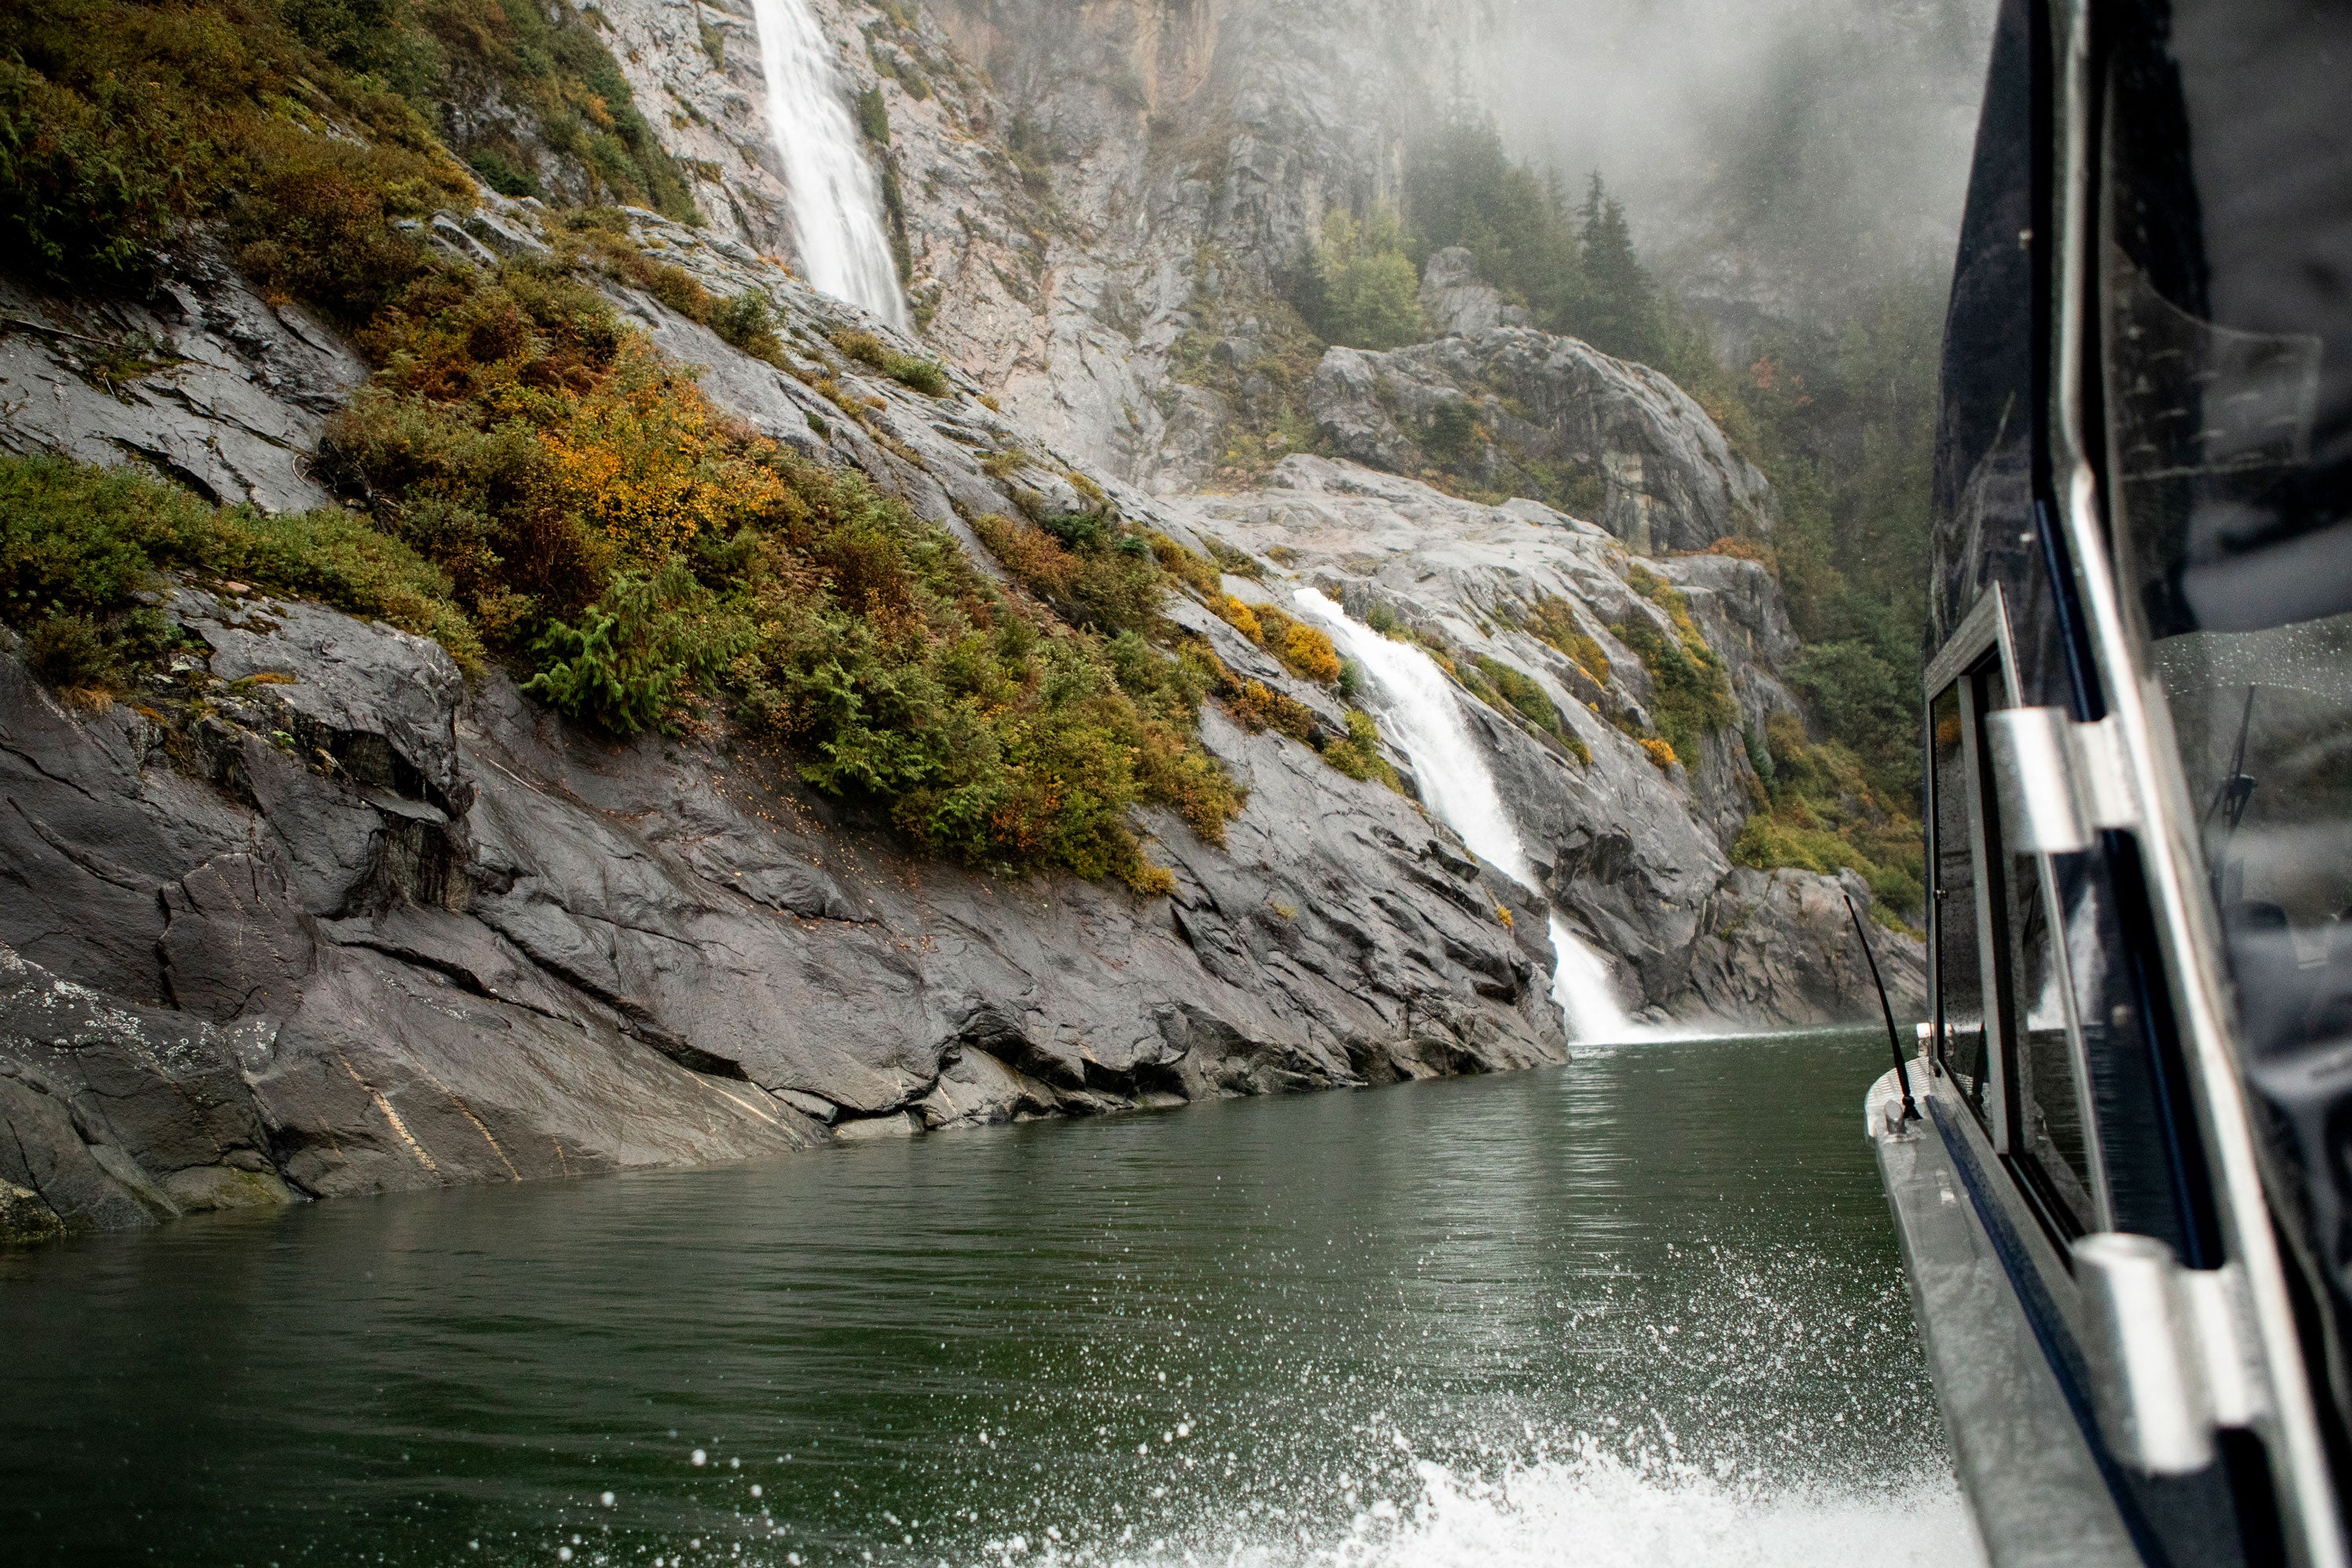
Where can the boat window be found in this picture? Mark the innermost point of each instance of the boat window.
(2227, 298)
(1959, 964)
(1985, 425)
(2048, 1138)
(2225, 315)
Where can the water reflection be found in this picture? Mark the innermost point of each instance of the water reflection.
(1643, 1308)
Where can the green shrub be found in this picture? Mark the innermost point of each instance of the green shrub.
(1554, 621)
(926, 376)
(552, 69)
(638, 655)
(1690, 695)
(503, 176)
(1240, 563)
(79, 543)
(1307, 651)
(1825, 815)
(986, 740)
(1257, 706)
(71, 651)
(874, 117)
(1856, 691)
(1770, 841)
(1454, 435)
(122, 123)
(746, 322)
(1111, 588)
(1521, 692)
(1359, 756)
(1193, 571)
(79, 197)
(317, 226)
(1370, 291)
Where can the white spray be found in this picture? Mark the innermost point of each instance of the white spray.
(1425, 722)
(835, 205)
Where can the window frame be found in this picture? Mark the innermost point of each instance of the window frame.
(1983, 638)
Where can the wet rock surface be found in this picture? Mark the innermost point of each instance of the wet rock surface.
(1459, 303)
(1516, 409)
(1638, 858)
(206, 381)
(372, 930)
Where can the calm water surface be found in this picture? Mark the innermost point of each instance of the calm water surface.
(1643, 1308)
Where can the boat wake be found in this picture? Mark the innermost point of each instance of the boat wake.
(1591, 1509)
(1596, 1512)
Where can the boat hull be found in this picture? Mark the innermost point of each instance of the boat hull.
(2024, 1447)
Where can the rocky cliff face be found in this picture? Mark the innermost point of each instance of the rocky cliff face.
(1518, 412)
(1636, 856)
(378, 931)
(384, 929)
(206, 381)
(328, 918)
(1098, 201)
(977, 230)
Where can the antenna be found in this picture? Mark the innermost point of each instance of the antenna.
(2231, 796)
(2230, 801)
(1894, 1043)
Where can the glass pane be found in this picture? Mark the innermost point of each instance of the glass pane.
(1959, 970)
(2265, 724)
(2228, 304)
(2141, 1194)
(2050, 1116)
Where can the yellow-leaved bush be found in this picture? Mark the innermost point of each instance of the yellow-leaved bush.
(640, 555)
(527, 480)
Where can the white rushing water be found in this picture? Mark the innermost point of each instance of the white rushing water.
(1425, 722)
(1588, 1511)
(835, 202)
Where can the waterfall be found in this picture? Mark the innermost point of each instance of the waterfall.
(836, 205)
(1427, 724)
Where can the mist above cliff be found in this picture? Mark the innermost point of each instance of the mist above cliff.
(1786, 152)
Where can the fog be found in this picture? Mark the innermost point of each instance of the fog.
(1784, 152)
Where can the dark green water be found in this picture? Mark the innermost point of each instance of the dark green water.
(1643, 1308)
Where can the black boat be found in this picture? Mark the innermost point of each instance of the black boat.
(2121, 1162)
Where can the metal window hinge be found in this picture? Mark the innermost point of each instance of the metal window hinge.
(2059, 782)
(2172, 1351)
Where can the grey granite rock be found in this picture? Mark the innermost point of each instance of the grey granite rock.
(1661, 476)
(122, 1115)
(1637, 859)
(442, 937)
(207, 383)
(1459, 303)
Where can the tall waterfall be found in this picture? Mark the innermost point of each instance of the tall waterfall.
(1426, 721)
(835, 205)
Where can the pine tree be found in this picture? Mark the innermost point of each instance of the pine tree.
(1462, 188)
(1621, 310)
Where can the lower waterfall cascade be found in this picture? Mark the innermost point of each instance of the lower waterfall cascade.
(835, 202)
(1425, 722)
